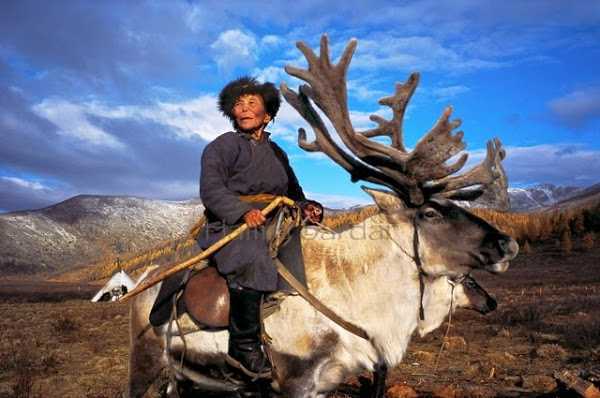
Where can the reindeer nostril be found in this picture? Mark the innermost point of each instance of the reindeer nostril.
(508, 245)
(513, 247)
(492, 304)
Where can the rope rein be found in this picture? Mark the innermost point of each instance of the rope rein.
(437, 358)
(417, 260)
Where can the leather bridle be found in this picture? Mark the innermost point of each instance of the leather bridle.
(416, 258)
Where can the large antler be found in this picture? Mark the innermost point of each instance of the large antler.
(415, 175)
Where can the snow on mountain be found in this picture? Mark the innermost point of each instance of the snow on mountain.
(540, 196)
(87, 228)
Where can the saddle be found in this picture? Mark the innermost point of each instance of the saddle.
(203, 294)
(206, 298)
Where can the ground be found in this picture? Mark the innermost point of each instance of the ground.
(55, 343)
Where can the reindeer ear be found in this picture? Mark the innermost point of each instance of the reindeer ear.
(387, 201)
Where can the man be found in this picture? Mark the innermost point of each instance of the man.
(235, 165)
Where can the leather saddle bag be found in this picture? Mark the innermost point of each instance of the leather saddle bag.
(206, 298)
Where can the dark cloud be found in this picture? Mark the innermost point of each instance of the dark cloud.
(18, 194)
(559, 164)
(109, 46)
(153, 162)
(578, 108)
(154, 153)
(132, 53)
(27, 139)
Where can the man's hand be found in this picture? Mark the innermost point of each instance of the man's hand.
(313, 211)
(254, 218)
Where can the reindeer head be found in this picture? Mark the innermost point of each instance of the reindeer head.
(443, 292)
(449, 240)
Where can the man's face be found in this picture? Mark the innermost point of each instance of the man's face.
(249, 112)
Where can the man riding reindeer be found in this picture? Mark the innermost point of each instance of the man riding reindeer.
(430, 240)
(241, 170)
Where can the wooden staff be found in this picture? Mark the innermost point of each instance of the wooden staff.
(145, 284)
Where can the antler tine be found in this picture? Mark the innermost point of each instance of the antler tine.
(298, 72)
(324, 143)
(324, 52)
(415, 175)
(435, 148)
(484, 173)
(328, 90)
(304, 144)
(383, 128)
(397, 103)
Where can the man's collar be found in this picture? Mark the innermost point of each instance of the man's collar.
(248, 136)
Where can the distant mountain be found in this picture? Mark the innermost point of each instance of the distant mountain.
(586, 197)
(542, 196)
(86, 228)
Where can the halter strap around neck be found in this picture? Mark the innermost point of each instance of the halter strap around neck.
(422, 274)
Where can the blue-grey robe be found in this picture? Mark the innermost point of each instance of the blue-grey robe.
(232, 165)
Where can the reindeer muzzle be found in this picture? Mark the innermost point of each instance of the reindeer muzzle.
(479, 298)
(498, 252)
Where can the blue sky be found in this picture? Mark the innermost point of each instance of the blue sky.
(118, 98)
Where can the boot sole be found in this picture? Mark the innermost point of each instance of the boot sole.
(253, 375)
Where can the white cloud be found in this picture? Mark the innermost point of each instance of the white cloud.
(195, 17)
(362, 90)
(272, 74)
(234, 48)
(561, 164)
(271, 40)
(34, 185)
(421, 53)
(578, 107)
(339, 201)
(72, 121)
(22, 194)
(446, 93)
(195, 117)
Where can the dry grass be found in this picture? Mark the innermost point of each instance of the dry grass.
(54, 343)
(67, 348)
(548, 319)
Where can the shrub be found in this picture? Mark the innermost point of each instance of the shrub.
(566, 245)
(23, 384)
(525, 247)
(65, 325)
(587, 241)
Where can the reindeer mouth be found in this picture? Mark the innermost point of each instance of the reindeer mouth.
(481, 301)
(486, 262)
(498, 268)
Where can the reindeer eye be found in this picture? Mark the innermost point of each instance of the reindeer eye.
(430, 213)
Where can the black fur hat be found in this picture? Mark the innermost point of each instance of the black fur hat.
(248, 85)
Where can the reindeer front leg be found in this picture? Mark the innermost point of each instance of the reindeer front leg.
(379, 376)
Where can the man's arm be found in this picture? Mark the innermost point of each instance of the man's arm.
(295, 191)
(311, 208)
(215, 195)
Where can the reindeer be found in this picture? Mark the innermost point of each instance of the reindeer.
(390, 283)
(149, 356)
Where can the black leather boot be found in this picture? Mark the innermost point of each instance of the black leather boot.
(244, 330)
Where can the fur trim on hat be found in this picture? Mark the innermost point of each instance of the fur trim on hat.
(248, 85)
